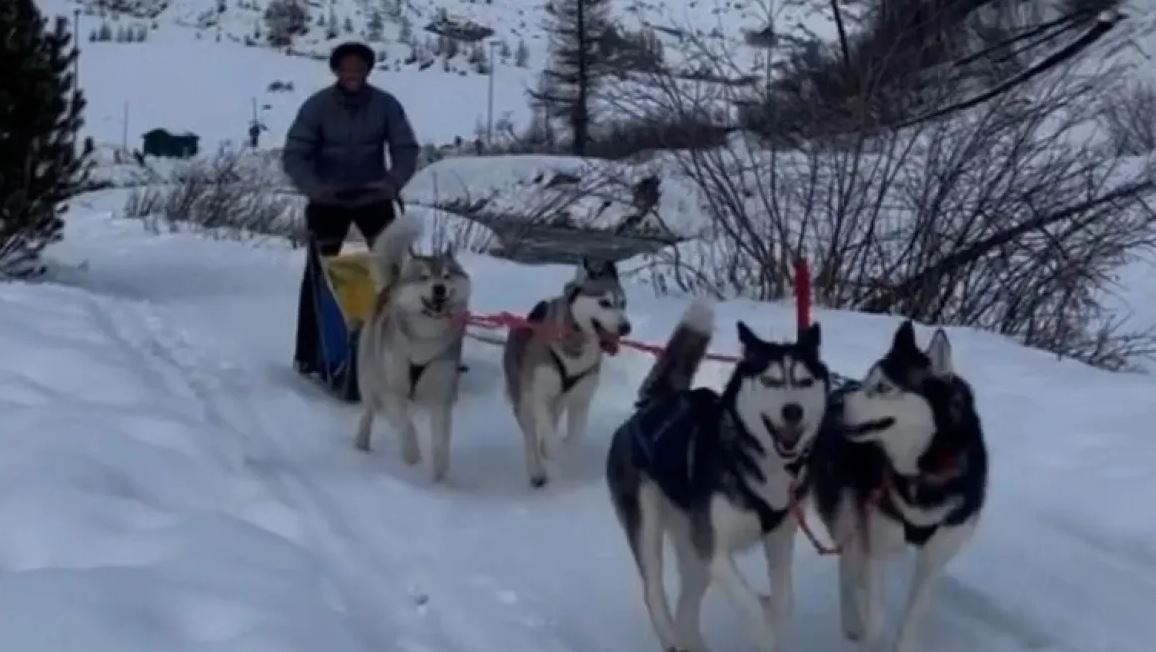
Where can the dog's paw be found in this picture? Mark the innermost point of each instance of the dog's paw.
(852, 628)
(361, 445)
(411, 454)
(538, 481)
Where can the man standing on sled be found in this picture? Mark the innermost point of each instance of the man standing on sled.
(335, 155)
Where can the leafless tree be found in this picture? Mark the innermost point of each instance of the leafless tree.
(577, 66)
(1130, 119)
(998, 214)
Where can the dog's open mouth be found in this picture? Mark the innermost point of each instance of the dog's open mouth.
(860, 431)
(786, 440)
(607, 341)
(434, 307)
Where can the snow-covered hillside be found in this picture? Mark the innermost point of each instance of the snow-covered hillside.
(179, 82)
(397, 26)
(202, 68)
(170, 484)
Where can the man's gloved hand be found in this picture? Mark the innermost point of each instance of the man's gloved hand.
(384, 188)
(351, 194)
(326, 194)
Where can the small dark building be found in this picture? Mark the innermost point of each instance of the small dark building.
(160, 142)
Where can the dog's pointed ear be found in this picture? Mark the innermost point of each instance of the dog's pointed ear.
(811, 338)
(598, 269)
(412, 251)
(939, 352)
(582, 271)
(747, 337)
(904, 341)
(450, 250)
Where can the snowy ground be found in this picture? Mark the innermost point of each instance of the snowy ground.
(169, 484)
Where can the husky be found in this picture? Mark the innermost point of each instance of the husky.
(556, 364)
(908, 467)
(410, 348)
(718, 473)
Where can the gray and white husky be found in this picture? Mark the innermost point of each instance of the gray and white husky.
(410, 348)
(555, 365)
(908, 467)
(718, 473)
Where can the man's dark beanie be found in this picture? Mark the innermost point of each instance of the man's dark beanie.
(353, 48)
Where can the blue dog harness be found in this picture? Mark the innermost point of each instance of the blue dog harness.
(677, 441)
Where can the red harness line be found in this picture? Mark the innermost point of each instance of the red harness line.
(508, 320)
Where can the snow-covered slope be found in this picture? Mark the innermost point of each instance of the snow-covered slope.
(169, 483)
(202, 68)
(396, 25)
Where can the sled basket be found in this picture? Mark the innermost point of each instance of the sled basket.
(343, 292)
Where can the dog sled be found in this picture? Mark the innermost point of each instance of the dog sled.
(338, 296)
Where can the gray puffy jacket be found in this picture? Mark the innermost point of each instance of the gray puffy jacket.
(338, 141)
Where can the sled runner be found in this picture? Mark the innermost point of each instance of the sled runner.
(342, 291)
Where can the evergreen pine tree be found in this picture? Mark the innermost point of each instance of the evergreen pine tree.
(375, 28)
(578, 64)
(405, 31)
(40, 116)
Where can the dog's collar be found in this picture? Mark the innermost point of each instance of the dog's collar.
(942, 469)
(945, 469)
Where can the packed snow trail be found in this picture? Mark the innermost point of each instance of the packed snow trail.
(372, 556)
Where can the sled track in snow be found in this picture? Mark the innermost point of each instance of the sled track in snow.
(180, 368)
(388, 605)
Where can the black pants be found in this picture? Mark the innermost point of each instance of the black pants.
(328, 226)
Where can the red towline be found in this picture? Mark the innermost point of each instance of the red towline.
(508, 320)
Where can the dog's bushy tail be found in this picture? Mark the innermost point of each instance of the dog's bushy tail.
(391, 248)
(676, 366)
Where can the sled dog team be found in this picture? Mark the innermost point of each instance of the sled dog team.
(896, 460)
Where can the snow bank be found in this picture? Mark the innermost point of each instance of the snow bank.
(561, 191)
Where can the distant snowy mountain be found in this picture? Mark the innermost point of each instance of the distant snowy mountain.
(405, 31)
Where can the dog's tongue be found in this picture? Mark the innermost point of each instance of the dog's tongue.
(609, 344)
(789, 437)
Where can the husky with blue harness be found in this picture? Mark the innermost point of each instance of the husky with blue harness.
(718, 473)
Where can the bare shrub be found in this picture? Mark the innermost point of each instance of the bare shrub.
(998, 216)
(229, 195)
(914, 60)
(1130, 119)
(448, 231)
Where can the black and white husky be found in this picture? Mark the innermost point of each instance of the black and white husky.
(908, 467)
(555, 366)
(718, 473)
